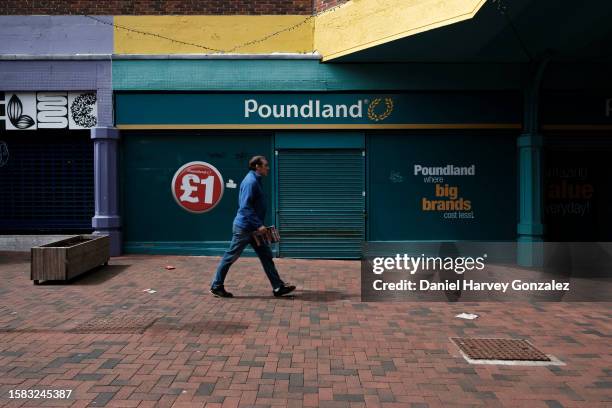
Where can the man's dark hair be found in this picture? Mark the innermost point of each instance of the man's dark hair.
(256, 160)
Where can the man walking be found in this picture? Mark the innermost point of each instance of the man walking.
(250, 216)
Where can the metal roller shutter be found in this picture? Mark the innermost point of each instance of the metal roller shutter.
(321, 203)
(47, 183)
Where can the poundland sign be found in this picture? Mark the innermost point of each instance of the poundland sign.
(314, 108)
(320, 110)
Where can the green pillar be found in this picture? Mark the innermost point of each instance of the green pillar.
(530, 227)
(530, 251)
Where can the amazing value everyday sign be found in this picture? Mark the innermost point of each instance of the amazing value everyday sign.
(318, 110)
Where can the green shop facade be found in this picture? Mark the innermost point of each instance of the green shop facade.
(358, 152)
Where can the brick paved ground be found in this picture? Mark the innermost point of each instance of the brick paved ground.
(320, 348)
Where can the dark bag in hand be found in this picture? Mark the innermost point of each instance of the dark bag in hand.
(269, 236)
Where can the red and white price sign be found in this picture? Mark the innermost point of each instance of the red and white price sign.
(197, 187)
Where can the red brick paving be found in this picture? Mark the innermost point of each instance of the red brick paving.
(320, 348)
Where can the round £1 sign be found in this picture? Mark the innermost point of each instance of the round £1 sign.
(197, 187)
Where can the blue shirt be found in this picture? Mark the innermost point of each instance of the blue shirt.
(251, 203)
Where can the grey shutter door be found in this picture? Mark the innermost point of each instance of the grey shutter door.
(321, 203)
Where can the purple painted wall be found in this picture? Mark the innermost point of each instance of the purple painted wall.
(43, 35)
(70, 35)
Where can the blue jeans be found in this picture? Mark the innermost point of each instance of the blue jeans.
(240, 239)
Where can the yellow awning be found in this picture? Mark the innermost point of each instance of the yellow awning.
(361, 24)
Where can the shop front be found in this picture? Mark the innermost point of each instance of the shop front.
(346, 167)
(578, 145)
(47, 161)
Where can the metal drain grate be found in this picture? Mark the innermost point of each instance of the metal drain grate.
(499, 349)
(115, 325)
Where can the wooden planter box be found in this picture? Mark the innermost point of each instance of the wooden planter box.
(65, 259)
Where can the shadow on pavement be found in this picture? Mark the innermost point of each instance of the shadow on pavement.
(204, 326)
(12, 257)
(306, 295)
(324, 295)
(95, 276)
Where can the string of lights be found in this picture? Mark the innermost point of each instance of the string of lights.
(152, 34)
(503, 9)
(207, 48)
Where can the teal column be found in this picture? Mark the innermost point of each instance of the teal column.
(530, 227)
(530, 250)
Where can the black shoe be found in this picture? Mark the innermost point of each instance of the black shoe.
(283, 290)
(220, 292)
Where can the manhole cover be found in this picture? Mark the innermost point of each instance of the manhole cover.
(499, 349)
(115, 325)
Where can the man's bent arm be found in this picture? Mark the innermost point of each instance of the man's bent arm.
(247, 209)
